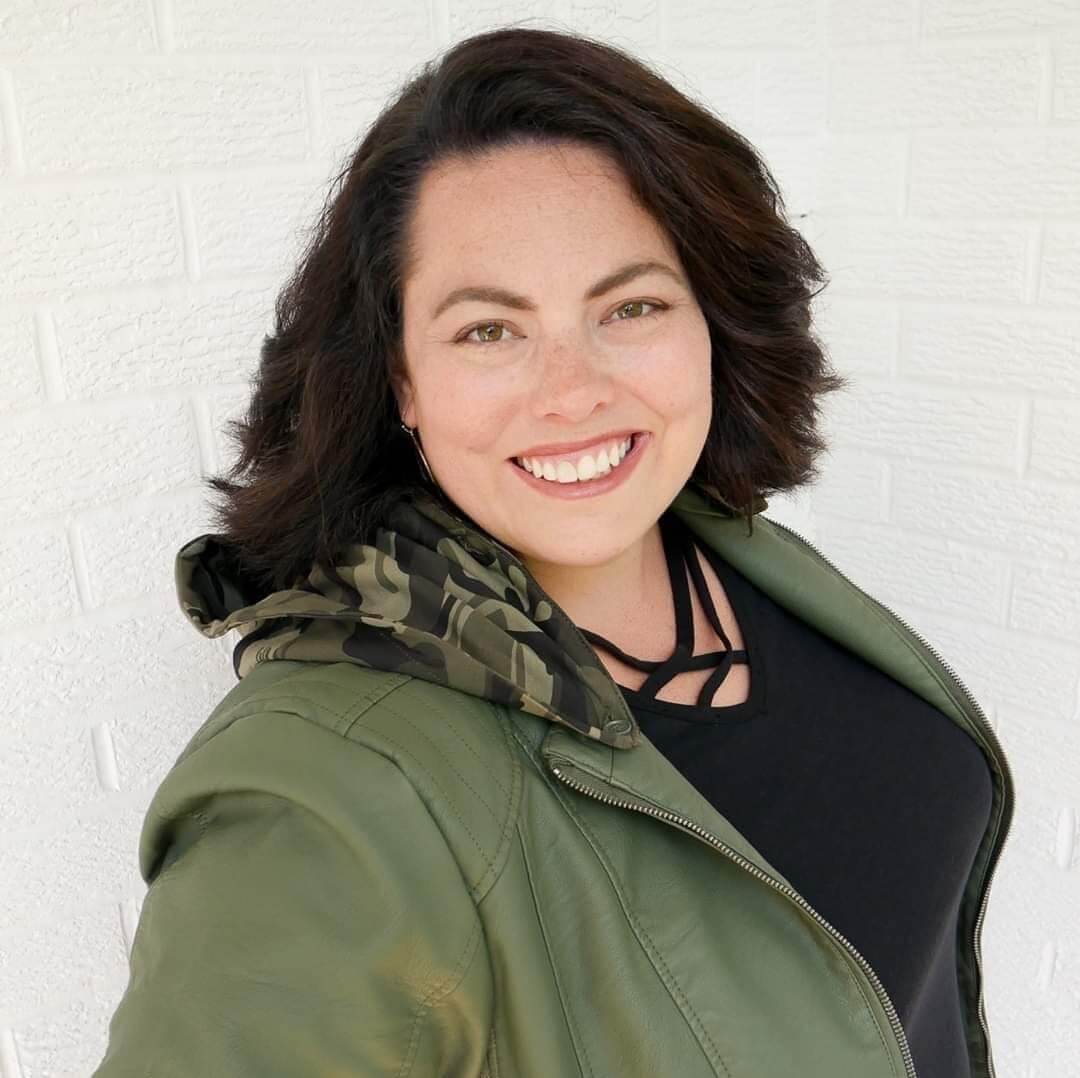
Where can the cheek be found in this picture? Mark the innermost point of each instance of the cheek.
(677, 380)
(468, 412)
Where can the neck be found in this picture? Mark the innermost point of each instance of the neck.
(621, 599)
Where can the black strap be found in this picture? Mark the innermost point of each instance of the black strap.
(680, 554)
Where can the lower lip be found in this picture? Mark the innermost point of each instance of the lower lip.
(590, 488)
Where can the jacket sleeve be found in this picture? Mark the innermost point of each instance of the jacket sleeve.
(305, 917)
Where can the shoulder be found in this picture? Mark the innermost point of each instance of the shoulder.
(452, 748)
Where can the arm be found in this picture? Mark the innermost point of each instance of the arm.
(304, 919)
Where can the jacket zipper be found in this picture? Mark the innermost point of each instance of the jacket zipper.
(700, 832)
(991, 737)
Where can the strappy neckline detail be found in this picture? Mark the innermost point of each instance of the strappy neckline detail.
(680, 554)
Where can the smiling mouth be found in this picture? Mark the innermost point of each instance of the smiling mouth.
(569, 475)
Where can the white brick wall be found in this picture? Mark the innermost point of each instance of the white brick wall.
(157, 161)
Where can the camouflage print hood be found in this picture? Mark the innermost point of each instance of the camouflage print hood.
(434, 597)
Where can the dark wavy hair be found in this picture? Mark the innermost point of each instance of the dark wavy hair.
(322, 456)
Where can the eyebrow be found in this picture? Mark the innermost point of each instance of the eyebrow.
(505, 298)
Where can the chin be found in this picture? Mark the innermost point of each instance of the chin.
(584, 549)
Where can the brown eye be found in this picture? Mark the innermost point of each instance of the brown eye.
(464, 338)
(633, 303)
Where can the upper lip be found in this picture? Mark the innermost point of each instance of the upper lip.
(553, 449)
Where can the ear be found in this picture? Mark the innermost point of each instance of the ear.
(403, 394)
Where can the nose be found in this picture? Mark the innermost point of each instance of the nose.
(572, 381)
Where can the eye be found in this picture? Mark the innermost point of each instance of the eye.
(463, 339)
(629, 304)
(658, 307)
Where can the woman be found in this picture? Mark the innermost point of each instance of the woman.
(549, 754)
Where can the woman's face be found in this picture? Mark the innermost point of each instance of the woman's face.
(492, 377)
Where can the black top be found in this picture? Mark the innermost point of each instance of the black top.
(869, 800)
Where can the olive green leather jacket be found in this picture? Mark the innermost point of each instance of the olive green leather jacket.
(423, 835)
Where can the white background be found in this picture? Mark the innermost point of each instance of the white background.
(158, 161)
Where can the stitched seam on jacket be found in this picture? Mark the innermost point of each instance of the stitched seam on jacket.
(292, 693)
(405, 717)
(493, 1053)
(462, 740)
(502, 851)
(465, 741)
(264, 699)
(464, 782)
(312, 702)
(383, 736)
(575, 1036)
(481, 887)
(437, 993)
(444, 717)
(666, 977)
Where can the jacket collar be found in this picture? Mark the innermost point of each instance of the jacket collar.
(436, 597)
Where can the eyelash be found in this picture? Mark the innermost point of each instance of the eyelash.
(658, 308)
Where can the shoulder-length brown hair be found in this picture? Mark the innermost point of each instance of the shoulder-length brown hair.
(322, 456)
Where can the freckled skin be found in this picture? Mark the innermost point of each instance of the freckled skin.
(547, 223)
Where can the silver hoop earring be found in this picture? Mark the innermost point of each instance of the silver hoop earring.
(411, 432)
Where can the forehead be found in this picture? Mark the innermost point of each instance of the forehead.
(528, 207)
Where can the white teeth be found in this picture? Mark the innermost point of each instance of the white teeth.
(588, 467)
